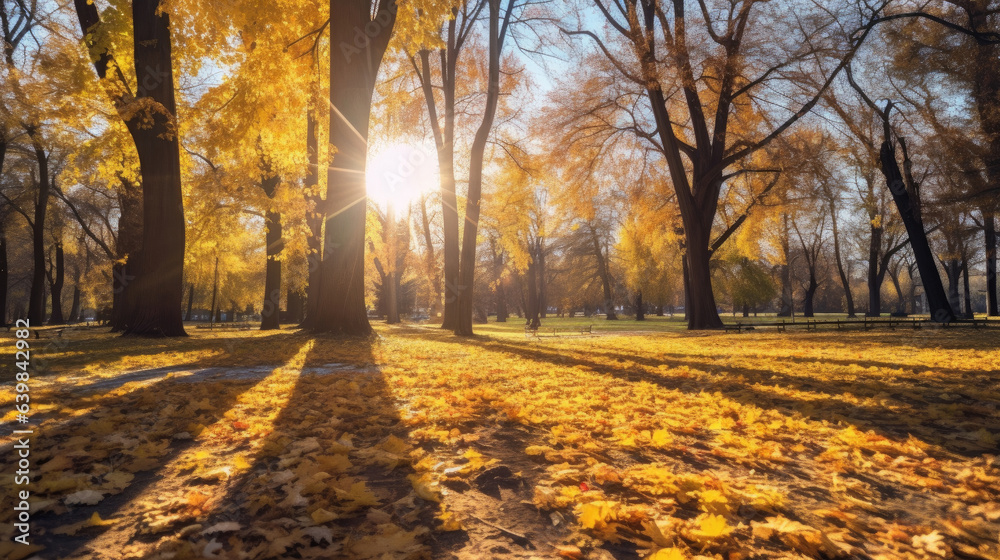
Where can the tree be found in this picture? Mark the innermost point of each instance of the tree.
(467, 263)
(353, 73)
(698, 122)
(149, 112)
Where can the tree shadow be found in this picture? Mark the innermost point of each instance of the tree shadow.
(896, 417)
(329, 412)
(157, 412)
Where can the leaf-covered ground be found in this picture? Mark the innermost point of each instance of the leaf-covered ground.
(421, 445)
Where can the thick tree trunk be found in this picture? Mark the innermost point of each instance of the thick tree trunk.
(159, 276)
(36, 296)
(989, 229)
(703, 312)
(341, 299)
(270, 315)
(640, 312)
(127, 251)
(940, 309)
(57, 286)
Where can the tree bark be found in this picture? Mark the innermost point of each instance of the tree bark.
(787, 306)
(470, 230)
(430, 262)
(36, 297)
(543, 299)
(844, 280)
(640, 313)
(966, 289)
(270, 315)
(56, 287)
(989, 229)
(314, 220)
(807, 305)
(531, 303)
(127, 247)
(940, 309)
(444, 140)
(74, 310)
(875, 274)
(353, 73)
(159, 276)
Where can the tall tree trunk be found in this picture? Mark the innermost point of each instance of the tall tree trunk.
(392, 275)
(531, 303)
(430, 262)
(353, 72)
(270, 315)
(190, 305)
(787, 300)
(154, 296)
(444, 140)
(900, 299)
(36, 297)
(543, 299)
(57, 286)
(967, 292)
(844, 280)
(74, 310)
(314, 220)
(875, 274)
(470, 230)
(953, 270)
(989, 229)
(159, 277)
(640, 312)
(904, 194)
(605, 275)
(212, 312)
(500, 292)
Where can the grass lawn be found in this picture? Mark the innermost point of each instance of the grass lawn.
(417, 444)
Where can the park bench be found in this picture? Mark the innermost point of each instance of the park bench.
(534, 332)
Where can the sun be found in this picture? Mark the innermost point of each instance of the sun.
(400, 173)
